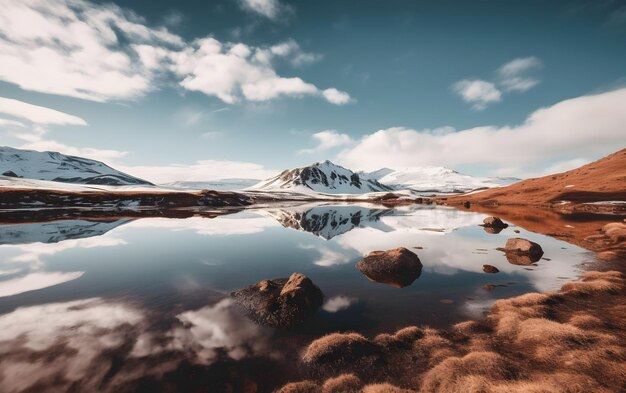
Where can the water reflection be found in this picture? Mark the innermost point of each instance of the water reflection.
(328, 221)
(124, 305)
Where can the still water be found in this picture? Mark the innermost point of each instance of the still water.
(144, 305)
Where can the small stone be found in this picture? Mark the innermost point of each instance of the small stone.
(490, 269)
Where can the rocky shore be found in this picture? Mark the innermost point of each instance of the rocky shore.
(571, 340)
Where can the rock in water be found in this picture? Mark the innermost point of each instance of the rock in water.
(494, 222)
(398, 267)
(521, 251)
(282, 302)
(490, 269)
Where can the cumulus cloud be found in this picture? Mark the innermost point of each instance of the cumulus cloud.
(514, 74)
(74, 48)
(586, 126)
(103, 52)
(477, 92)
(326, 140)
(233, 72)
(36, 114)
(336, 97)
(271, 9)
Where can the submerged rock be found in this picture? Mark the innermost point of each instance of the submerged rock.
(283, 302)
(490, 269)
(521, 251)
(398, 267)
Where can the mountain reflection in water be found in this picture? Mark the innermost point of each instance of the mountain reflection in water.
(143, 305)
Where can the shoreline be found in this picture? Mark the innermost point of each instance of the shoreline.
(569, 340)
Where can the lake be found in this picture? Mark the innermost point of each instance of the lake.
(144, 305)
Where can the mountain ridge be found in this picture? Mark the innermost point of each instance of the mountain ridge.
(55, 166)
(434, 179)
(321, 177)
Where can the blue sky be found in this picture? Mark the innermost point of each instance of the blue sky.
(198, 90)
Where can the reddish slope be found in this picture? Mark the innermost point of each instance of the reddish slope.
(602, 180)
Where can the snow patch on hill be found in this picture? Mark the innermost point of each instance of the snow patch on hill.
(53, 166)
(434, 179)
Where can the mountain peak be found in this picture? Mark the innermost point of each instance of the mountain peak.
(55, 166)
(323, 177)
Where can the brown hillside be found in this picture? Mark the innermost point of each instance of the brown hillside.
(602, 180)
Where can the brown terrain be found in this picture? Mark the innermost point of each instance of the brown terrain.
(602, 180)
(571, 340)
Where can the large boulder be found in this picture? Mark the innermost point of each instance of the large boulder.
(398, 267)
(521, 251)
(282, 302)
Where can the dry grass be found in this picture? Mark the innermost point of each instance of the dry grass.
(468, 373)
(300, 387)
(345, 383)
(553, 342)
(385, 388)
(595, 283)
(341, 350)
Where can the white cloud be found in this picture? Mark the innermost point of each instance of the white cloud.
(291, 50)
(512, 77)
(11, 123)
(37, 114)
(326, 140)
(270, 9)
(73, 49)
(477, 92)
(566, 165)
(104, 52)
(336, 97)
(204, 170)
(233, 72)
(514, 74)
(587, 126)
(38, 141)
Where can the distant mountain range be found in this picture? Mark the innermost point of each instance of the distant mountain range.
(329, 178)
(436, 179)
(318, 178)
(321, 177)
(59, 167)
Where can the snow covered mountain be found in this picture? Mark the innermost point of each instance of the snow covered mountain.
(434, 179)
(321, 177)
(221, 185)
(59, 167)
